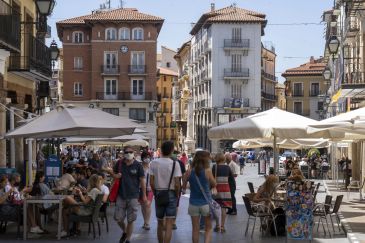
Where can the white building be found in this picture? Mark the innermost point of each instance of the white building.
(226, 69)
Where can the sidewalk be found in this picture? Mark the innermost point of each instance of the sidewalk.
(352, 210)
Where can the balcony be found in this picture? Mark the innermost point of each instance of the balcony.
(236, 73)
(36, 64)
(9, 28)
(269, 76)
(236, 43)
(236, 103)
(123, 96)
(110, 69)
(201, 104)
(137, 70)
(351, 26)
(268, 96)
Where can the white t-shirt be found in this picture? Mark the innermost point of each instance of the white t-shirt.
(66, 180)
(234, 168)
(104, 189)
(161, 170)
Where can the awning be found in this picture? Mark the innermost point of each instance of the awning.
(353, 91)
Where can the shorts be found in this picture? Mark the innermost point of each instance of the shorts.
(199, 210)
(149, 197)
(126, 208)
(168, 211)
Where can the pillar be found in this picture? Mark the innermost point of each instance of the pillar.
(355, 161)
(2, 141)
(19, 145)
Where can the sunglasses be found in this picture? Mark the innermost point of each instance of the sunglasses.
(128, 152)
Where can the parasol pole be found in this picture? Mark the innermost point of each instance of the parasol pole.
(276, 167)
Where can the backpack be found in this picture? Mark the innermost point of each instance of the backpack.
(280, 222)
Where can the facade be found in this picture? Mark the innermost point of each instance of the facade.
(110, 63)
(167, 59)
(305, 89)
(182, 108)
(166, 126)
(25, 72)
(268, 78)
(225, 69)
(56, 84)
(280, 96)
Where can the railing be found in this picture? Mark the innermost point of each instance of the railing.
(236, 43)
(268, 96)
(123, 96)
(314, 93)
(236, 102)
(137, 69)
(351, 25)
(298, 93)
(236, 73)
(355, 78)
(9, 27)
(269, 76)
(110, 69)
(39, 58)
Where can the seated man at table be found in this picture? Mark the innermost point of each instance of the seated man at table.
(67, 180)
(266, 190)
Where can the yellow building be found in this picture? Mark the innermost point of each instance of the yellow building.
(305, 89)
(166, 127)
(280, 96)
(25, 71)
(268, 78)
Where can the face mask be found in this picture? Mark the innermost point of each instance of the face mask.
(129, 156)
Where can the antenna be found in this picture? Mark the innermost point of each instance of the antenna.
(122, 3)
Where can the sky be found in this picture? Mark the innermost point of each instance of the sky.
(294, 26)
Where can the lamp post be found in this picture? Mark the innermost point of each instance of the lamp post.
(155, 108)
(333, 45)
(55, 52)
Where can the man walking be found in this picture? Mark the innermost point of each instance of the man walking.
(231, 161)
(131, 175)
(165, 182)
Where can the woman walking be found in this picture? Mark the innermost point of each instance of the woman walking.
(201, 181)
(146, 207)
(222, 174)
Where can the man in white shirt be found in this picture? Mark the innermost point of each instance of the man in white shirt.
(235, 171)
(161, 170)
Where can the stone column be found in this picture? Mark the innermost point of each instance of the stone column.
(2, 141)
(19, 144)
(355, 161)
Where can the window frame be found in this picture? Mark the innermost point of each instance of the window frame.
(78, 33)
(137, 111)
(78, 60)
(78, 89)
(121, 31)
(134, 33)
(107, 30)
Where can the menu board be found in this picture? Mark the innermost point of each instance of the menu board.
(52, 168)
(299, 210)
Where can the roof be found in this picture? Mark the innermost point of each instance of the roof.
(229, 14)
(166, 71)
(120, 14)
(313, 68)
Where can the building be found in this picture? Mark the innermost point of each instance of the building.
(268, 78)
(280, 96)
(167, 59)
(182, 108)
(110, 63)
(25, 72)
(305, 89)
(56, 84)
(166, 126)
(226, 69)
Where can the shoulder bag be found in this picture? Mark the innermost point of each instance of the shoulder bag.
(214, 207)
(115, 187)
(162, 196)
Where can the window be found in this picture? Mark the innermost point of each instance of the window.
(298, 90)
(110, 34)
(314, 89)
(78, 89)
(236, 90)
(236, 62)
(236, 34)
(164, 78)
(298, 108)
(168, 64)
(138, 114)
(78, 63)
(78, 37)
(320, 106)
(137, 87)
(110, 60)
(110, 87)
(124, 34)
(137, 34)
(137, 62)
(113, 111)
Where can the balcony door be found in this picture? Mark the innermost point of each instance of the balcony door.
(137, 62)
(138, 89)
(236, 63)
(110, 62)
(110, 89)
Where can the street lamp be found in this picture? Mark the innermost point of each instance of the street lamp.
(333, 44)
(327, 73)
(45, 7)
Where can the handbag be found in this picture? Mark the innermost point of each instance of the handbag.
(214, 207)
(115, 187)
(162, 196)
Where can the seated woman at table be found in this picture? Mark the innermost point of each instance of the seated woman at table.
(83, 209)
(296, 175)
(266, 190)
(40, 188)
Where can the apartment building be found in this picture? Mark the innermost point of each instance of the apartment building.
(268, 78)
(25, 72)
(305, 88)
(225, 69)
(110, 63)
(280, 96)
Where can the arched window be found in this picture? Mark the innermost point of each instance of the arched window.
(137, 34)
(110, 34)
(124, 33)
(77, 37)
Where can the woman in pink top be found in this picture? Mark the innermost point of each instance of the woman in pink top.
(184, 158)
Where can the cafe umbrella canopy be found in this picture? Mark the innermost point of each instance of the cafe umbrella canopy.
(271, 124)
(69, 121)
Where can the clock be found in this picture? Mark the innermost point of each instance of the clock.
(124, 49)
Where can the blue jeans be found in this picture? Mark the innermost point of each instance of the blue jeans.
(168, 211)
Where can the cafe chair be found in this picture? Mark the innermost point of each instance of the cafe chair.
(355, 185)
(91, 219)
(321, 210)
(305, 170)
(334, 212)
(260, 211)
(251, 187)
(315, 192)
(17, 218)
(103, 214)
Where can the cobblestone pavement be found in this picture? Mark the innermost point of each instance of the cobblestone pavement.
(235, 224)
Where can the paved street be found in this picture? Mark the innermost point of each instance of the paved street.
(235, 224)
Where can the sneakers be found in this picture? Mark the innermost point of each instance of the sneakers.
(36, 230)
(123, 238)
(63, 234)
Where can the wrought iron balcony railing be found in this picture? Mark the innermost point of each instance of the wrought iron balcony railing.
(9, 28)
(137, 69)
(123, 96)
(236, 43)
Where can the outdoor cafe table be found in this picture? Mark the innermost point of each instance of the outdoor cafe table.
(54, 199)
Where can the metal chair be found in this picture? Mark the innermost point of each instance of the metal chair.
(103, 214)
(321, 210)
(334, 212)
(255, 211)
(251, 187)
(16, 217)
(305, 170)
(355, 185)
(315, 192)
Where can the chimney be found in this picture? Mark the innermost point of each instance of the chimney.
(312, 60)
(212, 7)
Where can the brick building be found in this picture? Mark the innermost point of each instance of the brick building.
(110, 63)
